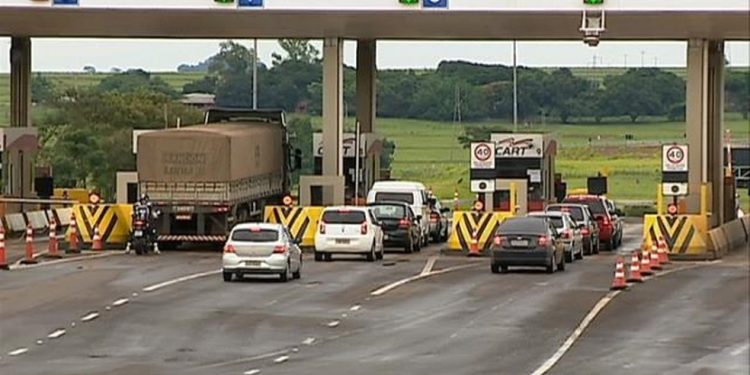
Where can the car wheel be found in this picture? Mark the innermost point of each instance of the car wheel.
(298, 274)
(569, 256)
(227, 276)
(551, 264)
(495, 268)
(286, 274)
(596, 247)
(371, 254)
(504, 268)
(381, 254)
(318, 256)
(579, 255)
(561, 265)
(409, 247)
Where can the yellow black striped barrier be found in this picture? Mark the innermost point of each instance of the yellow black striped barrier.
(112, 220)
(683, 234)
(465, 223)
(302, 222)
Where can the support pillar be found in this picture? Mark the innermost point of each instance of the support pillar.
(20, 82)
(366, 92)
(333, 112)
(705, 125)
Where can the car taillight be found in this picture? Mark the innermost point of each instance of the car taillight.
(544, 241)
(280, 249)
(566, 233)
(221, 209)
(322, 228)
(139, 223)
(404, 224)
(499, 240)
(364, 228)
(434, 217)
(229, 249)
(585, 231)
(606, 221)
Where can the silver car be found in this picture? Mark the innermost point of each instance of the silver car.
(261, 249)
(569, 232)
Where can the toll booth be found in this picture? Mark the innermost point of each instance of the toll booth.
(525, 162)
(370, 150)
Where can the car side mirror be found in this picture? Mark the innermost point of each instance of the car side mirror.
(419, 217)
(445, 210)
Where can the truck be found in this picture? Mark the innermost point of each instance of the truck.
(206, 178)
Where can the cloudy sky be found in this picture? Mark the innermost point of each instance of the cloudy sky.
(166, 55)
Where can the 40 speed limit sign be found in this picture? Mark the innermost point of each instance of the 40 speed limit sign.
(674, 158)
(482, 155)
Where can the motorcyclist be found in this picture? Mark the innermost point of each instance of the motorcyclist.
(143, 210)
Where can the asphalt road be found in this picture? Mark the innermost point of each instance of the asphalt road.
(116, 315)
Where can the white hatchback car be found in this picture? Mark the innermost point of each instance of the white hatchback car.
(348, 230)
(260, 248)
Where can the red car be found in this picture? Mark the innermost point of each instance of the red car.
(598, 207)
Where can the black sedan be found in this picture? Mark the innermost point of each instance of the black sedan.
(399, 225)
(527, 241)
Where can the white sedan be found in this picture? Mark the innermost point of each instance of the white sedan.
(348, 230)
(259, 248)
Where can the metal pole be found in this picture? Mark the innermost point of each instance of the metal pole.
(515, 89)
(255, 73)
(356, 164)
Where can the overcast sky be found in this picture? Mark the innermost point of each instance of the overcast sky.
(166, 55)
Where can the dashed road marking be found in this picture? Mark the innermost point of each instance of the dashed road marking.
(396, 284)
(120, 302)
(740, 350)
(355, 308)
(18, 352)
(428, 266)
(334, 324)
(39, 342)
(251, 372)
(309, 341)
(281, 359)
(56, 334)
(90, 316)
(167, 283)
(21, 267)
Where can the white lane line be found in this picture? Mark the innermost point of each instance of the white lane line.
(246, 360)
(120, 302)
(396, 284)
(254, 371)
(90, 316)
(552, 361)
(167, 283)
(739, 350)
(428, 266)
(39, 342)
(21, 267)
(334, 324)
(355, 308)
(57, 334)
(309, 341)
(281, 359)
(17, 352)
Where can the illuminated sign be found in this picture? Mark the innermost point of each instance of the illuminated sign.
(65, 2)
(435, 3)
(250, 3)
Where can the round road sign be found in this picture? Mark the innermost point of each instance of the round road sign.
(287, 201)
(675, 155)
(483, 152)
(672, 209)
(478, 206)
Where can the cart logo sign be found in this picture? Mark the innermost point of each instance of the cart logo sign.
(518, 145)
(482, 155)
(674, 158)
(347, 147)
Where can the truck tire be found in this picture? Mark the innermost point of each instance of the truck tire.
(318, 256)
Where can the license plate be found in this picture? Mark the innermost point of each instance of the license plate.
(517, 243)
(385, 236)
(342, 241)
(138, 233)
(252, 264)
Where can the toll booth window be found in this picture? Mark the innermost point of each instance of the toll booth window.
(535, 192)
(394, 197)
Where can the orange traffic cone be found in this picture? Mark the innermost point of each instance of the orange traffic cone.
(29, 259)
(97, 241)
(655, 265)
(73, 239)
(3, 260)
(53, 246)
(619, 281)
(474, 248)
(663, 251)
(635, 270)
(646, 263)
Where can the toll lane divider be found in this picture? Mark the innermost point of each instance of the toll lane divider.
(302, 222)
(466, 223)
(113, 222)
(17, 223)
(685, 235)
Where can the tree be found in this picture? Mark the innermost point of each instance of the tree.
(89, 69)
(738, 92)
(296, 50)
(232, 69)
(205, 85)
(564, 93)
(135, 80)
(42, 89)
(643, 92)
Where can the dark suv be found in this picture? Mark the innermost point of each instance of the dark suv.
(598, 207)
(399, 224)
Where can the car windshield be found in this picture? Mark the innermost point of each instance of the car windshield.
(388, 211)
(595, 205)
(575, 212)
(255, 235)
(523, 225)
(394, 197)
(344, 217)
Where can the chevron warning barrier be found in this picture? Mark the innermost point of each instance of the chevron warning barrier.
(302, 222)
(466, 222)
(112, 220)
(683, 234)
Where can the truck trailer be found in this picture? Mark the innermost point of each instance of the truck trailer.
(206, 178)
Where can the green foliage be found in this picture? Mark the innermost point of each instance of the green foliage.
(738, 92)
(42, 90)
(135, 80)
(296, 50)
(643, 92)
(301, 137)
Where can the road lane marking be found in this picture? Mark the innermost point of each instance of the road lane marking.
(90, 316)
(355, 308)
(57, 334)
(39, 342)
(18, 352)
(254, 371)
(309, 341)
(21, 267)
(552, 361)
(248, 359)
(396, 284)
(428, 266)
(739, 350)
(334, 324)
(167, 283)
(281, 359)
(120, 302)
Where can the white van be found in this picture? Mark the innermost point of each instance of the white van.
(411, 193)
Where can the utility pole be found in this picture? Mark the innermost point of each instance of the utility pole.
(255, 73)
(643, 63)
(626, 61)
(515, 89)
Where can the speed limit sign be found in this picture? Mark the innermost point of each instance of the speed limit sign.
(674, 158)
(482, 155)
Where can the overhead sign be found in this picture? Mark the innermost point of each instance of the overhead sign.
(518, 145)
(482, 155)
(250, 3)
(483, 186)
(348, 145)
(674, 158)
(435, 3)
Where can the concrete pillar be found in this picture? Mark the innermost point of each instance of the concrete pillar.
(705, 125)
(20, 81)
(333, 106)
(366, 78)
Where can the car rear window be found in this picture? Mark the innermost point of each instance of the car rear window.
(394, 197)
(255, 235)
(343, 217)
(575, 212)
(595, 205)
(523, 225)
(388, 212)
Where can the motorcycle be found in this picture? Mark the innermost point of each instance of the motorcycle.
(141, 239)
